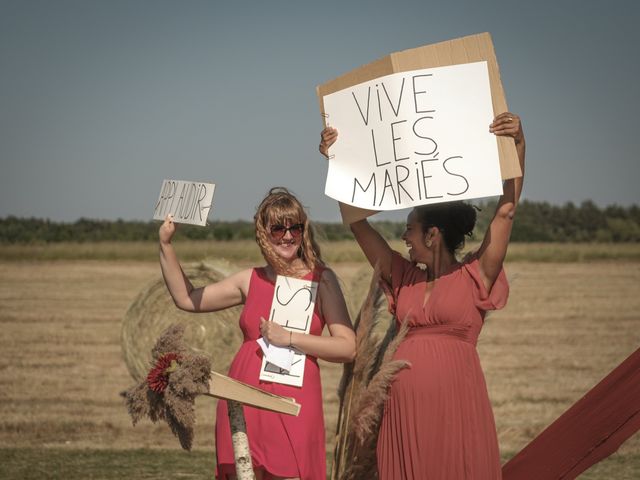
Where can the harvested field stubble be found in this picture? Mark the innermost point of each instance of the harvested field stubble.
(61, 365)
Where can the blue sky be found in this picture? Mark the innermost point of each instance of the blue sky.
(102, 100)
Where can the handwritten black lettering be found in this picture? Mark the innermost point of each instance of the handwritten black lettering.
(417, 93)
(396, 111)
(400, 181)
(388, 184)
(364, 119)
(425, 177)
(375, 150)
(434, 145)
(356, 184)
(394, 139)
(444, 165)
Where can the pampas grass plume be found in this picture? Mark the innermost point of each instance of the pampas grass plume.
(364, 389)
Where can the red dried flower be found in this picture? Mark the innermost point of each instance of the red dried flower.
(158, 377)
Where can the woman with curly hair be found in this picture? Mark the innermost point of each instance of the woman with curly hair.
(281, 446)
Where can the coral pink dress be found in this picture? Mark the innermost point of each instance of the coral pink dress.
(282, 445)
(438, 422)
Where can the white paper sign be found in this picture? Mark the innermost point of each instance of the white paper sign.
(279, 356)
(414, 138)
(188, 202)
(292, 307)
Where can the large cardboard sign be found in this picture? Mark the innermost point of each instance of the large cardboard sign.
(400, 139)
(188, 202)
(469, 49)
(292, 307)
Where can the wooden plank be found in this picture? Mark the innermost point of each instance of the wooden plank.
(227, 388)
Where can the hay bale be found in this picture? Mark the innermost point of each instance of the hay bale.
(215, 334)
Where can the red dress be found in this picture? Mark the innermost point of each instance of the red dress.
(438, 422)
(283, 445)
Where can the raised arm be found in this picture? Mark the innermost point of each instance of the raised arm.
(340, 346)
(216, 296)
(374, 247)
(496, 240)
(372, 244)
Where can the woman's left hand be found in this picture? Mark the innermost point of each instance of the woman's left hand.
(328, 137)
(274, 333)
(509, 125)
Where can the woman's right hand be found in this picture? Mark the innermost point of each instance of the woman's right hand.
(167, 229)
(328, 137)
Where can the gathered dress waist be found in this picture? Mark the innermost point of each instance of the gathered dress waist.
(466, 333)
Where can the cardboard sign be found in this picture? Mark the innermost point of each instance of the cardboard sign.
(472, 48)
(292, 307)
(188, 202)
(414, 138)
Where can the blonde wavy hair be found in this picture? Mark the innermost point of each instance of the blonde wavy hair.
(282, 207)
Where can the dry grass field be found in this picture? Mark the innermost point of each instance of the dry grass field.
(567, 324)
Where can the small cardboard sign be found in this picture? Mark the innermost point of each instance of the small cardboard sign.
(292, 307)
(188, 202)
(414, 138)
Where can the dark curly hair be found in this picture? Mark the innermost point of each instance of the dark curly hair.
(455, 220)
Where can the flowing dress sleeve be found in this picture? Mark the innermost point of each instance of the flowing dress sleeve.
(483, 299)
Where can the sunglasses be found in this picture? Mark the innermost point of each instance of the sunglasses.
(279, 231)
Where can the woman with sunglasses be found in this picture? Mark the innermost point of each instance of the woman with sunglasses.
(437, 421)
(281, 446)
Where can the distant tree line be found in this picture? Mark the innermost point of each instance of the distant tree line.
(543, 222)
(536, 222)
